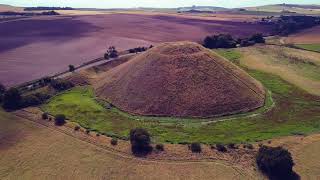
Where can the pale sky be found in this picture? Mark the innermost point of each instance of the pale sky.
(151, 3)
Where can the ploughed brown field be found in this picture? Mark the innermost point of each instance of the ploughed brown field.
(35, 47)
(180, 79)
(307, 36)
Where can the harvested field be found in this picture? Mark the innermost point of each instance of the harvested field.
(40, 152)
(180, 79)
(43, 47)
(296, 66)
(307, 36)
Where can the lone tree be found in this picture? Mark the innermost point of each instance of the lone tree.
(12, 99)
(195, 147)
(275, 162)
(60, 120)
(140, 141)
(71, 68)
(111, 53)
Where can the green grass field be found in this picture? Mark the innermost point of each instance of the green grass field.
(295, 112)
(310, 47)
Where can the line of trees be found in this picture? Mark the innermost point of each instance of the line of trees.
(46, 8)
(46, 13)
(13, 98)
(227, 41)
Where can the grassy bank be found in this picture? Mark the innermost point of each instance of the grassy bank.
(295, 112)
(310, 47)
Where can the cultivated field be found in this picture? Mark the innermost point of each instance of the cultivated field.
(44, 47)
(307, 36)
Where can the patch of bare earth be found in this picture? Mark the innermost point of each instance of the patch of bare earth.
(308, 36)
(44, 48)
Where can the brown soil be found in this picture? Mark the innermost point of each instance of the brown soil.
(308, 36)
(180, 79)
(40, 46)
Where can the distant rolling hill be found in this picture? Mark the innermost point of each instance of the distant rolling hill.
(4, 8)
(295, 8)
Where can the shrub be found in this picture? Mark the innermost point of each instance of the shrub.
(275, 161)
(71, 68)
(60, 119)
(140, 141)
(61, 84)
(12, 99)
(219, 41)
(2, 91)
(248, 146)
(246, 43)
(77, 128)
(30, 100)
(195, 147)
(221, 148)
(111, 53)
(160, 147)
(231, 146)
(114, 141)
(44, 116)
(257, 38)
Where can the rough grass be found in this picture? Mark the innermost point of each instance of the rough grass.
(30, 151)
(310, 47)
(298, 67)
(295, 112)
(230, 54)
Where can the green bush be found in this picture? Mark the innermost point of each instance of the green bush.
(257, 38)
(140, 141)
(160, 147)
(30, 100)
(275, 161)
(12, 99)
(114, 141)
(77, 128)
(195, 147)
(219, 41)
(71, 68)
(60, 119)
(221, 148)
(2, 91)
(61, 84)
(45, 116)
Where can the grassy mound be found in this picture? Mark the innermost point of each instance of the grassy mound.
(180, 79)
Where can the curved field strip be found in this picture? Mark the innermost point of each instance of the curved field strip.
(44, 153)
(298, 67)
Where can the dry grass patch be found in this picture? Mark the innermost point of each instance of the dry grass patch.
(298, 67)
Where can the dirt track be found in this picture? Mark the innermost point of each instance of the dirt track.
(35, 47)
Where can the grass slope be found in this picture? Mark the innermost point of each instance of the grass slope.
(310, 47)
(32, 152)
(296, 112)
